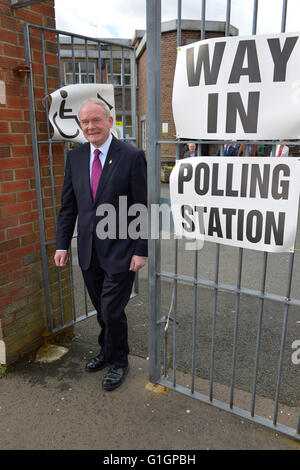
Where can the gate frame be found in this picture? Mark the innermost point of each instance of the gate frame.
(35, 150)
(153, 13)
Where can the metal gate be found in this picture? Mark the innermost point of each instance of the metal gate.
(252, 338)
(74, 59)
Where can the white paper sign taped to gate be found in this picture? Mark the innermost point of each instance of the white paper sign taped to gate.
(245, 202)
(65, 104)
(238, 88)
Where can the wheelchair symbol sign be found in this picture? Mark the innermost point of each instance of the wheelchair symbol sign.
(65, 104)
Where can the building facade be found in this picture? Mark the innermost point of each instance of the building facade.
(116, 67)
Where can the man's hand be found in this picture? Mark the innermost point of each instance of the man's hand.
(61, 258)
(137, 262)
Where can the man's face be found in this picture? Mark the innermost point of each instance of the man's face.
(192, 147)
(95, 124)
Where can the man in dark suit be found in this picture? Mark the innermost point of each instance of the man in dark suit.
(96, 175)
(191, 152)
(230, 150)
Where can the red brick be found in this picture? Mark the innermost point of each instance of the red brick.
(3, 126)
(49, 23)
(13, 51)
(11, 266)
(19, 230)
(13, 186)
(8, 36)
(40, 93)
(3, 259)
(19, 274)
(7, 163)
(4, 151)
(5, 300)
(7, 63)
(50, 234)
(14, 88)
(29, 217)
(11, 114)
(46, 10)
(31, 238)
(49, 223)
(17, 102)
(6, 175)
(36, 68)
(51, 59)
(9, 221)
(13, 139)
(11, 287)
(24, 174)
(25, 291)
(22, 150)
(4, 8)
(26, 196)
(19, 252)
(20, 127)
(9, 245)
(11, 23)
(30, 16)
(7, 199)
(17, 208)
(37, 55)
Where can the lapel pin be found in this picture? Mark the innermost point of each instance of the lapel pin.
(110, 161)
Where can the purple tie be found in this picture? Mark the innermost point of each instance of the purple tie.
(96, 172)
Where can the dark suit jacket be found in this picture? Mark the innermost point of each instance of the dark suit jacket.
(187, 154)
(231, 151)
(124, 174)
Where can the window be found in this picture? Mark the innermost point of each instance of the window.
(118, 73)
(128, 124)
(80, 72)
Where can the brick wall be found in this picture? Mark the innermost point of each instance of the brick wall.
(22, 306)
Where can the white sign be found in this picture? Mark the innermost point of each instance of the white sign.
(238, 88)
(65, 104)
(245, 202)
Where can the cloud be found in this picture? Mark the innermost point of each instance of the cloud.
(102, 18)
(117, 18)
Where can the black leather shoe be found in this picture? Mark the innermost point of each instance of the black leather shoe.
(114, 378)
(97, 363)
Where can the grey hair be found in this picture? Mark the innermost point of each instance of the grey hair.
(99, 103)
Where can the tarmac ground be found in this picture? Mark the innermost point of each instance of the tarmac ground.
(56, 405)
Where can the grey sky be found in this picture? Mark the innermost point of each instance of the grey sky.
(119, 18)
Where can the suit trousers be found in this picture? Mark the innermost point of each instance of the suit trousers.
(110, 294)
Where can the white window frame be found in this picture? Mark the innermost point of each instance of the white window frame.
(120, 75)
(80, 74)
